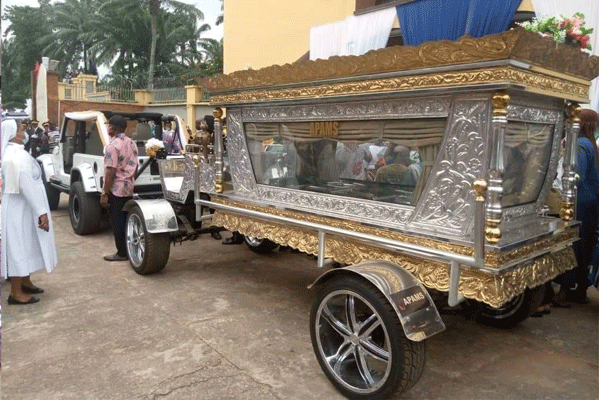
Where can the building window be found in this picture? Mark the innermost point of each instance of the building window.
(89, 87)
(68, 94)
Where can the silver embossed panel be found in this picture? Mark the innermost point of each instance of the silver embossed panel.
(447, 203)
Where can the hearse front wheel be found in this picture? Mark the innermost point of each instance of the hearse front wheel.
(260, 246)
(147, 252)
(512, 312)
(359, 341)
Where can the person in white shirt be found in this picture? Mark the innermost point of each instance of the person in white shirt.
(27, 231)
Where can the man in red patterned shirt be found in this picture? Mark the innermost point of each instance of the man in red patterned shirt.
(120, 167)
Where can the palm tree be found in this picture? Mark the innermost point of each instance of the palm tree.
(220, 18)
(71, 22)
(155, 7)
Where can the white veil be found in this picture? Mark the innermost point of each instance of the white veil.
(11, 161)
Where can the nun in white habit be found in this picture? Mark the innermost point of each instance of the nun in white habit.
(27, 233)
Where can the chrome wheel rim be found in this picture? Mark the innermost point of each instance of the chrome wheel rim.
(252, 241)
(75, 209)
(135, 240)
(353, 341)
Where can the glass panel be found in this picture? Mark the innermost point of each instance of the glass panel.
(527, 149)
(172, 172)
(385, 161)
(93, 142)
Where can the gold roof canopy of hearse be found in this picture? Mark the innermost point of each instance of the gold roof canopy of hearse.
(561, 69)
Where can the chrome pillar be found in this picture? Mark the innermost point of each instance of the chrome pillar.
(569, 178)
(196, 160)
(218, 140)
(493, 209)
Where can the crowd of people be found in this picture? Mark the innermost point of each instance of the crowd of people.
(39, 140)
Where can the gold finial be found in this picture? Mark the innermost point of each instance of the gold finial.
(218, 113)
(480, 187)
(196, 160)
(567, 213)
(219, 187)
(492, 231)
(573, 110)
(499, 102)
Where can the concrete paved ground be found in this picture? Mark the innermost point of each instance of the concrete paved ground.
(220, 322)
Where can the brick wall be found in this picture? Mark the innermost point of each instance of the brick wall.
(52, 97)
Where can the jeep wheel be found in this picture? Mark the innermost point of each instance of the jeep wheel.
(52, 193)
(84, 210)
(147, 252)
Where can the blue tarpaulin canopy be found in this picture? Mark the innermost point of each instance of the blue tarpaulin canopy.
(428, 20)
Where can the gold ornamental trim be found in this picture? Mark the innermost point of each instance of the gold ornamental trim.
(492, 289)
(516, 44)
(532, 81)
(492, 259)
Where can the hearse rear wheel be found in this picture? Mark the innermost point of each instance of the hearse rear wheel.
(147, 252)
(512, 312)
(260, 246)
(359, 341)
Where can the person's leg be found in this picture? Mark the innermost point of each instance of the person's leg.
(16, 292)
(118, 222)
(121, 223)
(28, 287)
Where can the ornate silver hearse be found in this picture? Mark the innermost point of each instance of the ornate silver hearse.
(407, 170)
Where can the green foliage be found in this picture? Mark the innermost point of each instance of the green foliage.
(563, 29)
(85, 34)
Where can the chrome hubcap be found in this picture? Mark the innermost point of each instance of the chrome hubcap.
(252, 241)
(135, 240)
(353, 341)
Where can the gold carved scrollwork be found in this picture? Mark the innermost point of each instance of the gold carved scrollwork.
(532, 80)
(515, 44)
(492, 289)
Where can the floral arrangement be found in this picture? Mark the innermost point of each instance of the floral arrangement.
(563, 29)
(153, 146)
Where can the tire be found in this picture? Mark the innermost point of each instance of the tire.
(148, 253)
(510, 314)
(52, 194)
(400, 362)
(84, 210)
(260, 246)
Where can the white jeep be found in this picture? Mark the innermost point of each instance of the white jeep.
(76, 165)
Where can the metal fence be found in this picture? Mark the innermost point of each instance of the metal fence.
(103, 93)
(169, 95)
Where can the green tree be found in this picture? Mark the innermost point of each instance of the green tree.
(72, 22)
(14, 90)
(27, 25)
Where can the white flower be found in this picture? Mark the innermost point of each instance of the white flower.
(155, 142)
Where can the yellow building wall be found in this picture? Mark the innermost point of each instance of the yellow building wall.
(260, 33)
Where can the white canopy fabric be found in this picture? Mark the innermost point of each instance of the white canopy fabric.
(83, 116)
(590, 9)
(355, 35)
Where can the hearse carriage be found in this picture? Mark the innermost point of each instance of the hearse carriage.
(407, 170)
